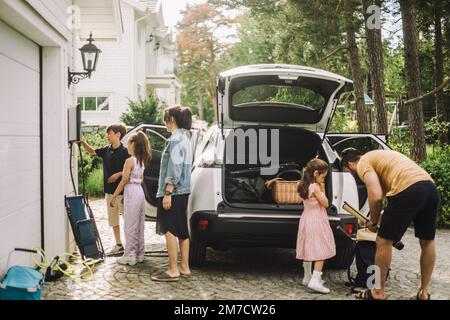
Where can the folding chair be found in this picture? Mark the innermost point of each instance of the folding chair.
(84, 228)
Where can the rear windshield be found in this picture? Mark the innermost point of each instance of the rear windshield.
(278, 95)
(283, 99)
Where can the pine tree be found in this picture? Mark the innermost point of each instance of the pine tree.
(415, 110)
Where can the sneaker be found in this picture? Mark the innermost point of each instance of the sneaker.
(118, 249)
(317, 285)
(140, 259)
(131, 261)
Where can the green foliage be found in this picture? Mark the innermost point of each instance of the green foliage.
(289, 32)
(143, 111)
(341, 122)
(201, 55)
(94, 183)
(426, 62)
(91, 164)
(254, 47)
(438, 166)
(433, 129)
(399, 140)
(394, 69)
(301, 96)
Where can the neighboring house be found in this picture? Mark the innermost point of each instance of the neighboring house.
(36, 50)
(138, 55)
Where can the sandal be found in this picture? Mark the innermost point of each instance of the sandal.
(366, 295)
(185, 275)
(164, 277)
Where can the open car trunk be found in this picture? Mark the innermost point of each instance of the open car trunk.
(244, 183)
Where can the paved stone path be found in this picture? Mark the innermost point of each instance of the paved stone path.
(261, 273)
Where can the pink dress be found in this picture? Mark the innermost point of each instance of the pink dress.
(315, 240)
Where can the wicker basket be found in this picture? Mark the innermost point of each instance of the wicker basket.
(283, 191)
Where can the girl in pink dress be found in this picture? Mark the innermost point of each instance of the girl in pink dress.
(315, 240)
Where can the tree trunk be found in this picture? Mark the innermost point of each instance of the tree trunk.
(375, 51)
(415, 112)
(358, 77)
(439, 69)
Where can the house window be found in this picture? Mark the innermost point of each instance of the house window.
(100, 103)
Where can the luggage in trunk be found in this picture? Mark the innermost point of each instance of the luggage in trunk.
(245, 183)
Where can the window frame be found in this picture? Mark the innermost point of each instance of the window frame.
(97, 97)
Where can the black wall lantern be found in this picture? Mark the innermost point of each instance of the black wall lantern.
(89, 55)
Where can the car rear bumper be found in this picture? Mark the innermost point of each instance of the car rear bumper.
(224, 230)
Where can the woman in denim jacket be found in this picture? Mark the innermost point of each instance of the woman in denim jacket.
(174, 188)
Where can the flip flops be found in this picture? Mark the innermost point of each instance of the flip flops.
(164, 277)
(366, 295)
(418, 296)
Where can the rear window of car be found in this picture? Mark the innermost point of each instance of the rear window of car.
(275, 94)
(284, 98)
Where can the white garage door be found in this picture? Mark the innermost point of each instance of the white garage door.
(20, 196)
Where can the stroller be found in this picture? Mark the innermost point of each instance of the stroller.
(84, 228)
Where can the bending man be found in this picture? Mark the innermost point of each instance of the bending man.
(411, 197)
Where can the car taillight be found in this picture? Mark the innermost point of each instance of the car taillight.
(349, 228)
(202, 225)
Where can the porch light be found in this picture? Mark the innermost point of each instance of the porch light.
(150, 38)
(89, 56)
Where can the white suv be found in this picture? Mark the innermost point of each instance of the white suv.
(229, 205)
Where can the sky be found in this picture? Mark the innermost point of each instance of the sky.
(172, 10)
(172, 14)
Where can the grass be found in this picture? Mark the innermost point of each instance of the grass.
(94, 183)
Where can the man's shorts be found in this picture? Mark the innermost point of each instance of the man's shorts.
(113, 212)
(418, 204)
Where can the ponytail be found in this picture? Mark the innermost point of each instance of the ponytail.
(182, 116)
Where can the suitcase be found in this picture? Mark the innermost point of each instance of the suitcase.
(22, 283)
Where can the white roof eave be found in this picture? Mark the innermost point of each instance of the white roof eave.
(137, 5)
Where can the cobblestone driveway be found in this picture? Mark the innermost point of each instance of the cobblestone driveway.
(262, 273)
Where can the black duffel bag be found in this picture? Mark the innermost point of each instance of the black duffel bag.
(245, 190)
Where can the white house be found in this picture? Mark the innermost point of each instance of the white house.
(39, 41)
(36, 49)
(137, 58)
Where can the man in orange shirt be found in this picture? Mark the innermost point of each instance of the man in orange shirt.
(411, 197)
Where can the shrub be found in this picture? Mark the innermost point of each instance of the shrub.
(94, 183)
(91, 165)
(399, 140)
(433, 129)
(143, 111)
(438, 166)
